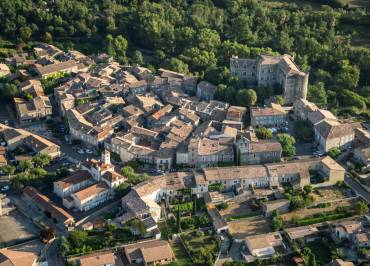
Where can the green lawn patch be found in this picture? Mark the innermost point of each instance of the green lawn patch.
(242, 216)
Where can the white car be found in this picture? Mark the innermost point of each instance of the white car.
(88, 151)
(5, 188)
(80, 151)
(3, 143)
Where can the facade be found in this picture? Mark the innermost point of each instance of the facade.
(206, 91)
(302, 108)
(363, 156)
(332, 134)
(296, 173)
(72, 183)
(268, 70)
(274, 116)
(91, 196)
(257, 152)
(35, 109)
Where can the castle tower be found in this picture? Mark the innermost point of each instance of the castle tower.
(105, 157)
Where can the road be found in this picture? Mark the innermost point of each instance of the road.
(360, 191)
(52, 255)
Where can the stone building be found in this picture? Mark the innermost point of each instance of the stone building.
(268, 70)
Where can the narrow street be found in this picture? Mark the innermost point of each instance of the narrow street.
(360, 191)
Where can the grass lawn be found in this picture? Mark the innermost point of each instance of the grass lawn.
(182, 257)
(321, 251)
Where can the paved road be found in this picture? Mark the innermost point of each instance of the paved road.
(52, 255)
(357, 188)
(233, 255)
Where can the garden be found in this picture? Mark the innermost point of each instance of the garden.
(202, 246)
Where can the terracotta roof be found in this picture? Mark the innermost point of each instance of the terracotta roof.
(10, 257)
(263, 240)
(48, 69)
(75, 178)
(91, 191)
(267, 111)
(45, 203)
(149, 251)
(319, 115)
(332, 164)
(97, 259)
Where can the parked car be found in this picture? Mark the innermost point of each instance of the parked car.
(80, 151)
(5, 188)
(88, 151)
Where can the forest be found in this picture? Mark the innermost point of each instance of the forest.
(199, 37)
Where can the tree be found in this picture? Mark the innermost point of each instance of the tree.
(280, 100)
(246, 97)
(9, 91)
(334, 152)
(277, 223)
(137, 58)
(317, 94)
(361, 208)
(127, 171)
(77, 238)
(308, 189)
(41, 160)
(120, 45)
(263, 133)
(25, 165)
(176, 65)
(122, 189)
(139, 226)
(348, 75)
(297, 202)
(64, 246)
(48, 38)
(312, 260)
(25, 33)
(7, 169)
(287, 142)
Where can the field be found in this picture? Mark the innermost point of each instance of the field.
(236, 209)
(248, 226)
(328, 193)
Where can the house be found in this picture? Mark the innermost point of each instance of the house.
(302, 108)
(263, 245)
(274, 116)
(72, 183)
(103, 258)
(152, 252)
(236, 113)
(206, 91)
(345, 230)
(15, 137)
(362, 155)
(18, 257)
(89, 197)
(219, 224)
(308, 233)
(362, 136)
(254, 151)
(85, 131)
(320, 115)
(61, 67)
(34, 109)
(267, 70)
(268, 175)
(4, 70)
(332, 134)
(270, 207)
(361, 239)
(39, 201)
(204, 152)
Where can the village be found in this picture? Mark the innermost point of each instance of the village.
(110, 164)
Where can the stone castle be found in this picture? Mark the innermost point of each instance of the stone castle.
(268, 70)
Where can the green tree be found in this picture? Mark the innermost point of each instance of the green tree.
(48, 38)
(7, 169)
(176, 65)
(334, 152)
(64, 246)
(280, 100)
(361, 207)
(41, 160)
(312, 260)
(317, 94)
(26, 33)
(77, 238)
(287, 142)
(178, 222)
(25, 165)
(120, 45)
(348, 75)
(246, 97)
(263, 133)
(137, 58)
